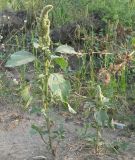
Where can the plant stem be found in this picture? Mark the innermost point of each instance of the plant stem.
(46, 84)
(46, 101)
(49, 135)
(97, 139)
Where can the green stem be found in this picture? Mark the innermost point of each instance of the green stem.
(46, 84)
(46, 101)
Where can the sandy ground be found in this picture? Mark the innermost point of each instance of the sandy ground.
(18, 143)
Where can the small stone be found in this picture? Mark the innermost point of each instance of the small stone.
(39, 158)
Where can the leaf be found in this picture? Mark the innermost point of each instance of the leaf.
(54, 56)
(71, 110)
(19, 58)
(28, 102)
(36, 45)
(59, 86)
(35, 110)
(105, 100)
(39, 129)
(133, 41)
(65, 49)
(44, 112)
(101, 117)
(61, 62)
(25, 93)
(26, 96)
(89, 105)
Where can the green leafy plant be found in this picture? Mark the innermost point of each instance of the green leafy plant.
(101, 116)
(51, 84)
(99, 108)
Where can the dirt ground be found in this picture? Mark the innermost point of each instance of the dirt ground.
(18, 143)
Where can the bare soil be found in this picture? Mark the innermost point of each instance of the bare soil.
(18, 143)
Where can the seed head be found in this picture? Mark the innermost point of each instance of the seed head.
(44, 27)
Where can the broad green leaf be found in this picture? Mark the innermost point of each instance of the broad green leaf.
(59, 86)
(101, 117)
(65, 49)
(61, 61)
(19, 58)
